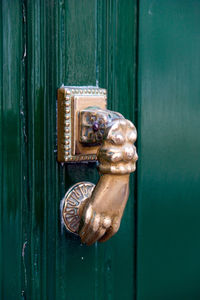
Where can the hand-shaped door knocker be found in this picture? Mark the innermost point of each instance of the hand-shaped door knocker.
(95, 212)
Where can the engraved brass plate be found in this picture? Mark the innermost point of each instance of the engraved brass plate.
(72, 100)
(74, 198)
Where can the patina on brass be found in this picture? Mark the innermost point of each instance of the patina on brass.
(98, 216)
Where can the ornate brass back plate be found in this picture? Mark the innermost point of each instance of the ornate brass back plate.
(71, 101)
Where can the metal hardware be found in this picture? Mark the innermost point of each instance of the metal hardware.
(95, 212)
(74, 198)
(71, 100)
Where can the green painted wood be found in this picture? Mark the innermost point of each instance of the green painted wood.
(12, 148)
(117, 73)
(168, 265)
(46, 43)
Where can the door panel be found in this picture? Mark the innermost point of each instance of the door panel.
(12, 148)
(46, 44)
(168, 265)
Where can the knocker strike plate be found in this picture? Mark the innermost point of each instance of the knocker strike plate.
(73, 200)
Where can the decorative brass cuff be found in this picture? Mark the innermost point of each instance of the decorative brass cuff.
(117, 154)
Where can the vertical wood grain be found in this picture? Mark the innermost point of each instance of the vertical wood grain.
(117, 72)
(12, 141)
(169, 142)
(46, 44)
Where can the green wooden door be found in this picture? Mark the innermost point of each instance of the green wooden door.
(146, 53)
(45, 44)
(168, 239)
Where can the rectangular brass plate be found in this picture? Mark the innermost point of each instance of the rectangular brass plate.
(71, 100)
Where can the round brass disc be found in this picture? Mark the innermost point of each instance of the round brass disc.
(74, 198)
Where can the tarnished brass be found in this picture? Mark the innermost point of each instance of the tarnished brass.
(96, 213)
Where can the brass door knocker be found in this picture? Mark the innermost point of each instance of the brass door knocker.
(88, 131)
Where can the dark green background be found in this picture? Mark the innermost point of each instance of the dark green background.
(147, 54)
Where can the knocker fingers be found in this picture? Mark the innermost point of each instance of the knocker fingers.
(97, 229)
(97, 236)
(85, 221)
(111, 230)
(92, 229)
